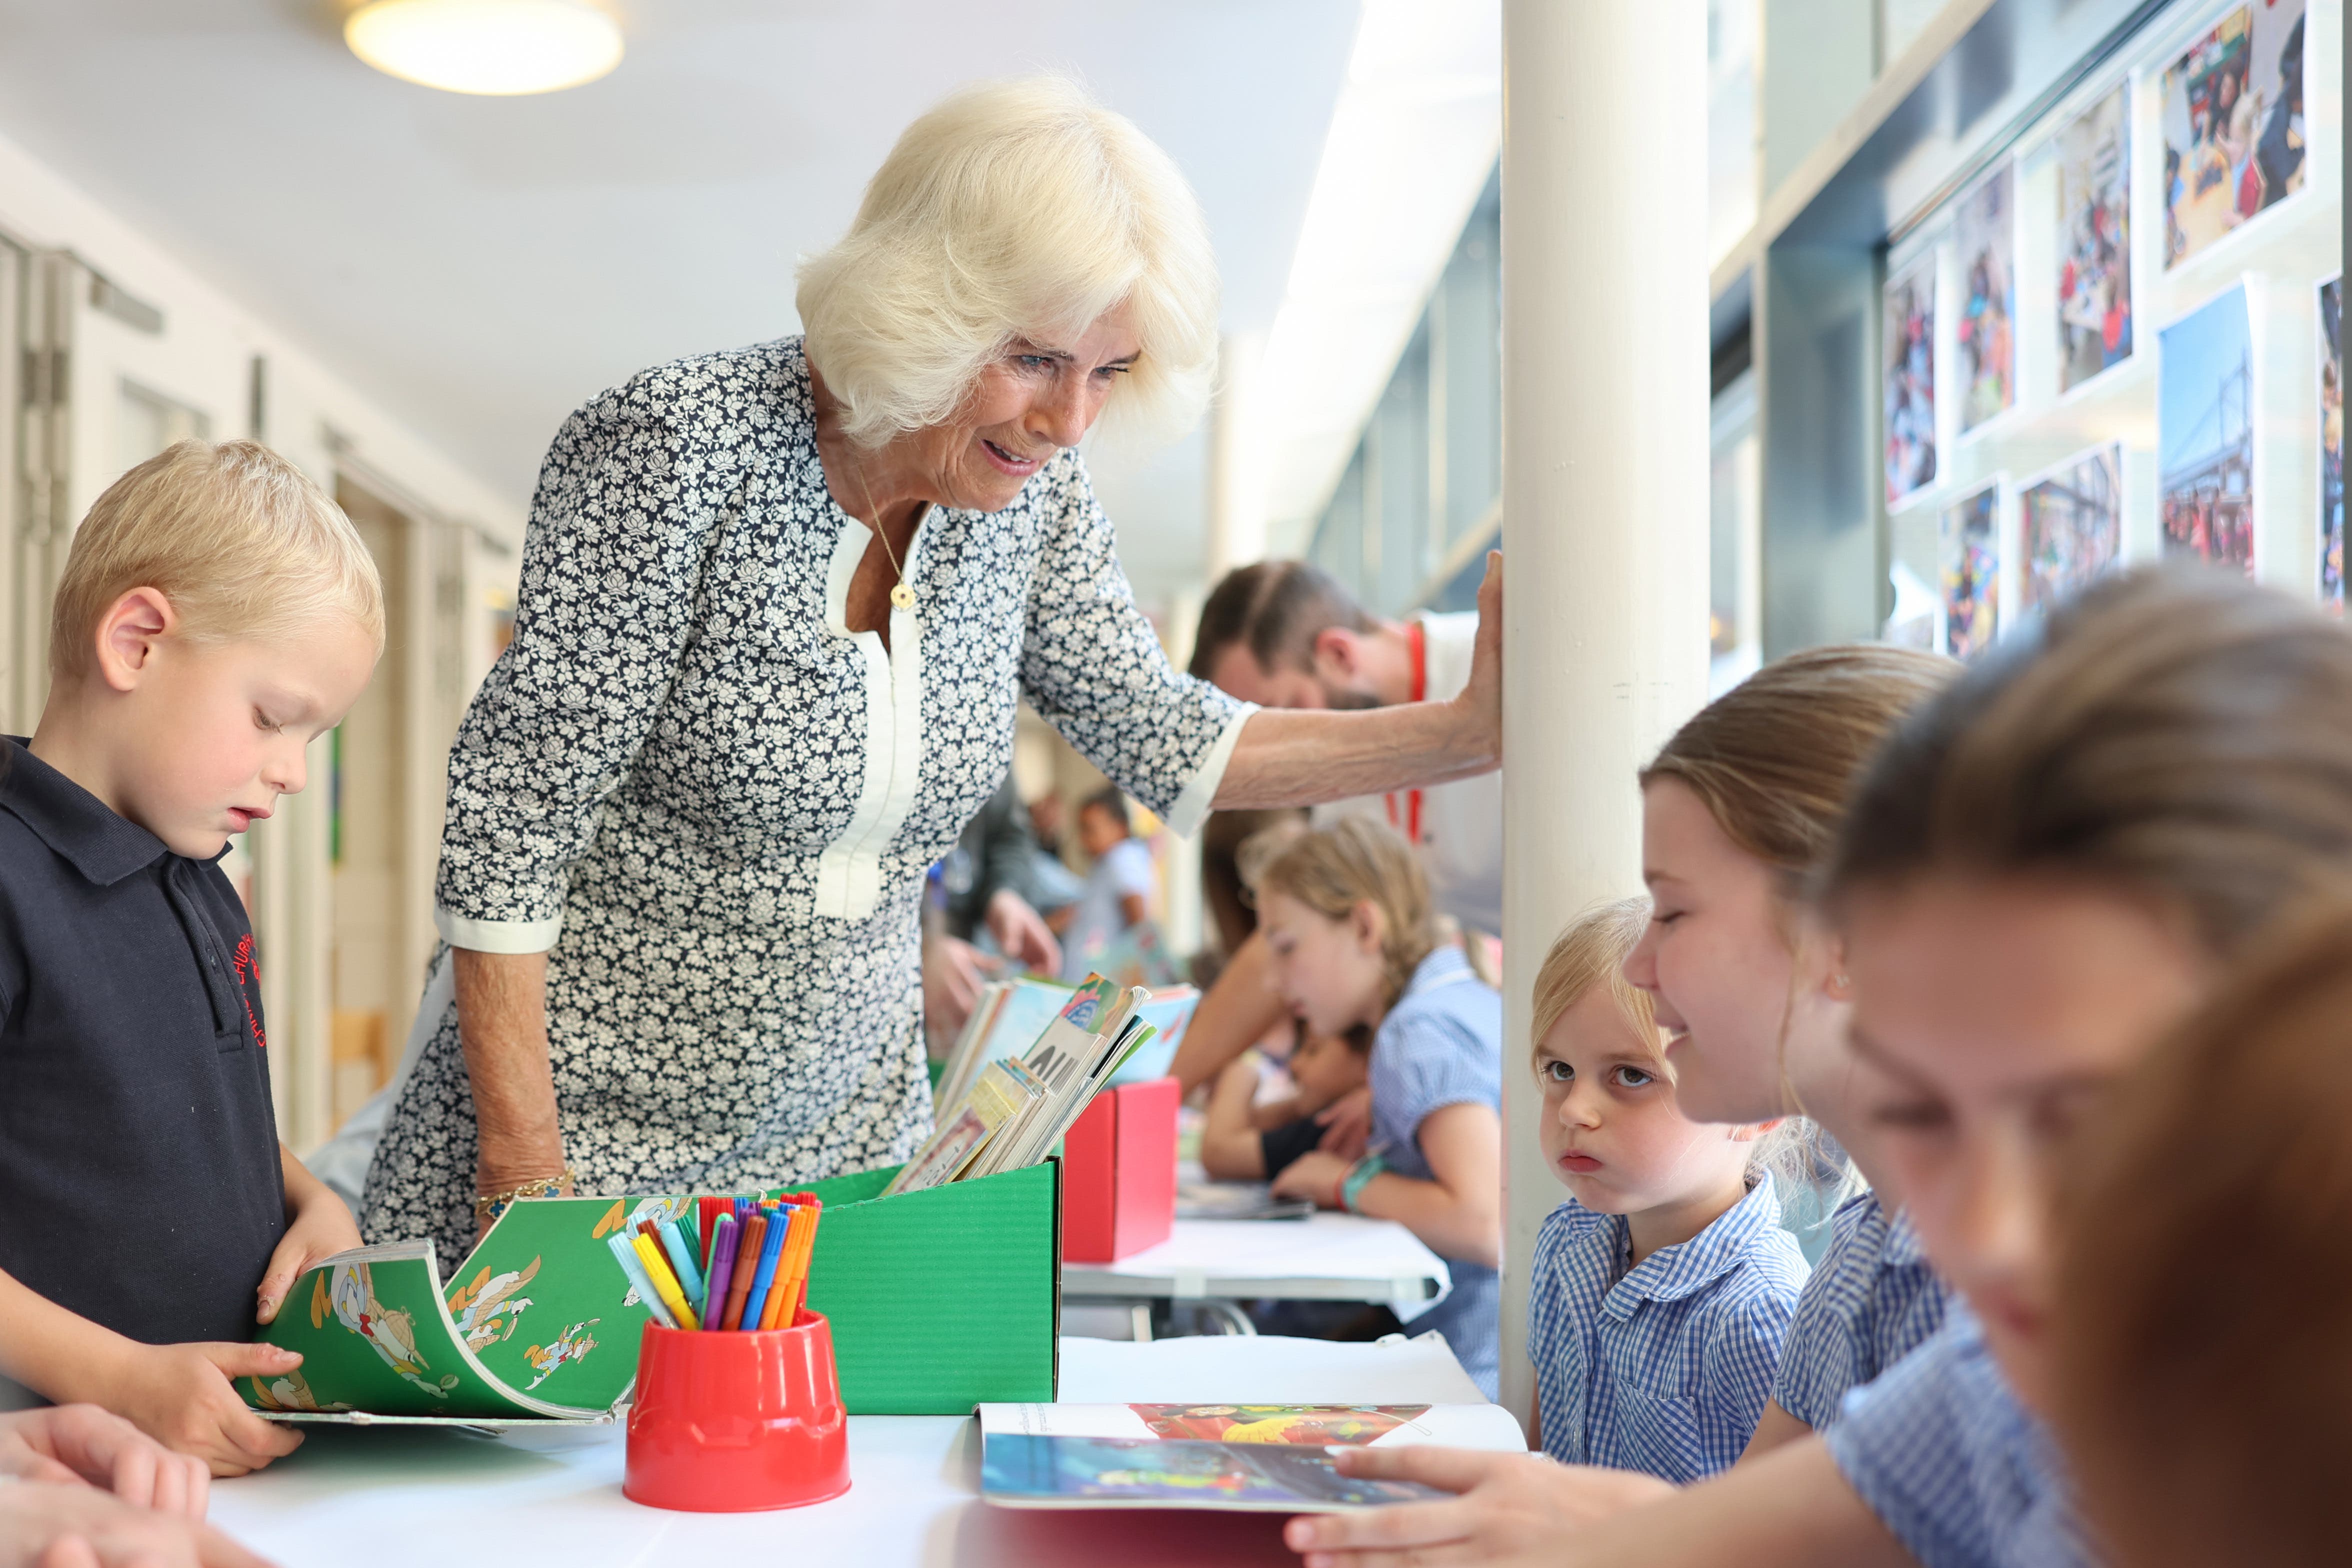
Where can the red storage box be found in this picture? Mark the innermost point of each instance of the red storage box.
(1119, 1173)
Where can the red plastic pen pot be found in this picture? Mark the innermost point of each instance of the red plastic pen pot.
(730, 1423)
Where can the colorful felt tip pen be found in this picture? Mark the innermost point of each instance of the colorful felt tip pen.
(772, 1250)
(747, 1261)
(624, 1253)
(681, 1261)
(666, 1284)
(722, 1270)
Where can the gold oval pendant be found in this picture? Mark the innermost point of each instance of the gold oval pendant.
(903, 596)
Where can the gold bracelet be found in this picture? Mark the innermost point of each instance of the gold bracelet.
(490, 1206)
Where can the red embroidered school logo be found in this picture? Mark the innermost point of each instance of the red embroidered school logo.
(247, 970)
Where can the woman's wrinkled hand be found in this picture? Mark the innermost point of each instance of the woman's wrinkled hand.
(1481, 701)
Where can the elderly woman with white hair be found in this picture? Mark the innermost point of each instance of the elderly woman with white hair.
(777, 607)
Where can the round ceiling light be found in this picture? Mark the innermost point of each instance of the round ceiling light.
(497, 47)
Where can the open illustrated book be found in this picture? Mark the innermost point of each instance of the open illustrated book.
(1219, 1458)
(537, 1326)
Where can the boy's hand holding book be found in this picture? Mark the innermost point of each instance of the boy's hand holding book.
(183, 1396)
(318, 1227)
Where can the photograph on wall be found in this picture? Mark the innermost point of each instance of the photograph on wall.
(2233, 127)
(2070, 525)
(2331, 443)
(1985, 336)
(1909, 362)
(2095, 293)
(2205, 434)
(1968, 555)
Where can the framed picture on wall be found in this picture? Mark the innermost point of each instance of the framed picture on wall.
(1968, 561)
(2331, 443)
(2205, 434)
(2070, 525)
(1985, 336)
(2234, 125)
(1908, 367)
(2095, 289)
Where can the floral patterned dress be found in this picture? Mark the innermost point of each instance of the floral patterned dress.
(712, 805)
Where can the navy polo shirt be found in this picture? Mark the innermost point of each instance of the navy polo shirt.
(139, 1184)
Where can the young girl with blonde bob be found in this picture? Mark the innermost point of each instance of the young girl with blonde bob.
(1659, 1296)
(2047, 868)
(1355, 946)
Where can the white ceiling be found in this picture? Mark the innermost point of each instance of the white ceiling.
(482, 266)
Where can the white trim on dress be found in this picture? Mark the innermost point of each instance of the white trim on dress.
(849, 872)
(497, 936)
(1191, 808)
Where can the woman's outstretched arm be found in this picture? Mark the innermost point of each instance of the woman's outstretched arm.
(1302, 756)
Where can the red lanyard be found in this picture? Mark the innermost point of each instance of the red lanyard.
(1416, 642)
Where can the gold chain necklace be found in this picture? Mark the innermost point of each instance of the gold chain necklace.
(901, 596)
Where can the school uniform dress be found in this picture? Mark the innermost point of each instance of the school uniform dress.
(1662, 1366)
(1871, 1301)
(712, 804)
(140, 1181)
(1954, 1465)
(1441, 1045)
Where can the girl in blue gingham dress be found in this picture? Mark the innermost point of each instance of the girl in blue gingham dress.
(1661, 1293)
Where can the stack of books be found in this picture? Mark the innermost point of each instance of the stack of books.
(1016, 1109)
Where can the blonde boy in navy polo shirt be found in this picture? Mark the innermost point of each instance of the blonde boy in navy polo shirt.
(217, 614)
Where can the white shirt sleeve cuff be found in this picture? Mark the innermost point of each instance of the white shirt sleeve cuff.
(497, 936)
(1191, 808)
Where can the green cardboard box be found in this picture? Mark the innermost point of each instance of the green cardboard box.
(938, 1300)
(944, 1298)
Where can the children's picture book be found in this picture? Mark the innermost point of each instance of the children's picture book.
(2095, 289)
(2205, 434)
(1985, 234)
(1018, 1470)
(1908, 363)
(2331, 444)
(2071, 524)
(1489, 1427)
(536, 1325)
(2234, 125)
(1967, 551)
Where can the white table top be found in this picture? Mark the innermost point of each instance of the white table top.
(1324, 1258)
(402, 1496)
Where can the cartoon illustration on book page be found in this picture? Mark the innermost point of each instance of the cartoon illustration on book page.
(574, 1345)
(391, 1334)
(289, 1390)
(490, 1308)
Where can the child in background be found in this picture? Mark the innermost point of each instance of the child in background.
(1658, 1298)
(1739, 811)
(1245, 1141)
(1354, 946)
(1118, 891)
(216, 615)
(2208, 1425)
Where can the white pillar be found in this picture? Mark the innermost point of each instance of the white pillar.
(1236, 487)
(1604, 493)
